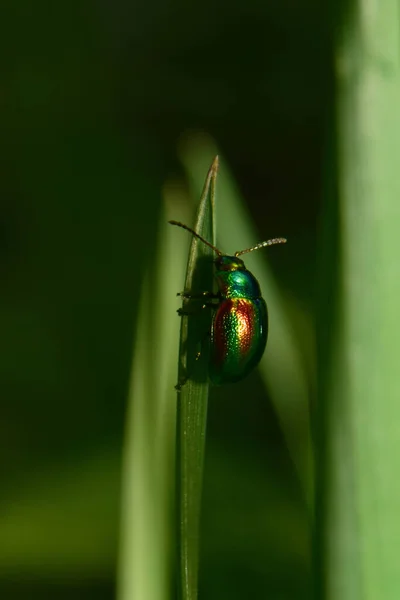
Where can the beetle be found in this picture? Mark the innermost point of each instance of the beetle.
(240, 324)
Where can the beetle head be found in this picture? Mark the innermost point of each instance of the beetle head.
(229, 263)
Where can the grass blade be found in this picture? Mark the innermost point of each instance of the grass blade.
(146, 552)
(193, 397)
(363, 432)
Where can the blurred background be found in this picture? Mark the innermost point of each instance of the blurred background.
(95, 100)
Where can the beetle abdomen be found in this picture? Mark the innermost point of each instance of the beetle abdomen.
(239, 336)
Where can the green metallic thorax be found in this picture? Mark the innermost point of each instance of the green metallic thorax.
(234, 280)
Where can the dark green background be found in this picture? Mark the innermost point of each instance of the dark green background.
(93, 101)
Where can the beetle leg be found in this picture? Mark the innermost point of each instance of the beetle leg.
(198, 295)
(197, 357)
(206, 337)
(182, 312)
(181, 383)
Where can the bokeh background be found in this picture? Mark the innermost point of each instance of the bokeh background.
(95, 100)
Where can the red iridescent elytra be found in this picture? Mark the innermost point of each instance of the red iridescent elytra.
(240, 324)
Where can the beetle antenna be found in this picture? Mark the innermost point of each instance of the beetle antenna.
(262, 245)
(179, 224)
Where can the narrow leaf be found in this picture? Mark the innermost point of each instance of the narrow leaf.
(193, 397)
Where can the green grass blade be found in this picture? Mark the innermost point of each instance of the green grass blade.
(363, 431)
(193, 397)
(146, 551)
(281, 367)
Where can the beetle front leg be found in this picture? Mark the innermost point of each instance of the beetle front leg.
(198, 295)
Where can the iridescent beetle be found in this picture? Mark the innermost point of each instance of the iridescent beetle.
(240, 324)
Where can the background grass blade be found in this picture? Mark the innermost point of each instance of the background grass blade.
(282, 366)
(193, 398)
(146, 550)
(363, 422)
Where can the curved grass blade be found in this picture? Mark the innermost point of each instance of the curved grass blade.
(146, 552)
(281, 367)
(193, 397)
